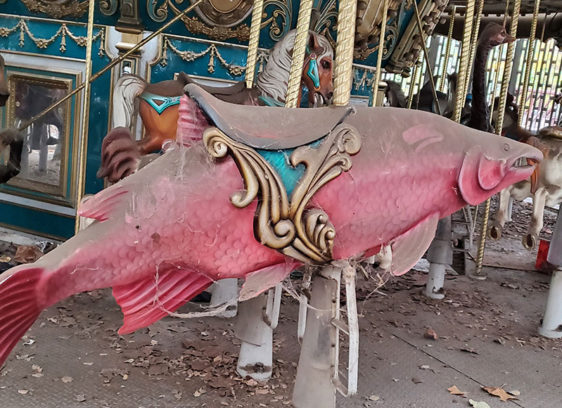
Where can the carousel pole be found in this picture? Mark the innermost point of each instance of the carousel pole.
(253, 43)
(299, 52)
(83, 142)
(440, 253)
(448, 48)
(344, 52)
(413, 81)
(257, 317)
(499, 125)
(473, 43)
(317, 377)
(426, 56)
(380, 52)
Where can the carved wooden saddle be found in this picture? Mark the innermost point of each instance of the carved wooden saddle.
(284, 169)
(300, 128)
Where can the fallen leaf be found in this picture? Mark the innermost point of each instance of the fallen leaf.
(478, 404)
(80, 397)
(416, 380)
(469, 350)
(27, 254)
(430, 334)
(23, 392)
(498, 392)
(455, 391)
(66, 379)
(374, 398)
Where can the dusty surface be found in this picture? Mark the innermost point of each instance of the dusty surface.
(487, 336)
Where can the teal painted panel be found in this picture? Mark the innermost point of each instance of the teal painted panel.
(41, 223)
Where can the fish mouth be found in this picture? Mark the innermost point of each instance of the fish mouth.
(524, 165)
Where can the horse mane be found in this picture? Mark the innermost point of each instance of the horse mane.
(274, 78)
(125, 92)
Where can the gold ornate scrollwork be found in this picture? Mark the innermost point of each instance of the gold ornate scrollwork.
(57, 8)
(290, 226)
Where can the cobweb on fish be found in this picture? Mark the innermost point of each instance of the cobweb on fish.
(211, 311)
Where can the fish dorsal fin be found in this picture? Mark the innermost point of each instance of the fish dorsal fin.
(259, 281)
(101, 205)
(409, 247)
(148, 300)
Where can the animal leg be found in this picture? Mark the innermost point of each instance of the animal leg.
(501, 215)
(539, 201)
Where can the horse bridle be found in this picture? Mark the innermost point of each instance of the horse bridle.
(313, 72)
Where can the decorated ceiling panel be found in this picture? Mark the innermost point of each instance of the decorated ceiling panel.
(229, 21)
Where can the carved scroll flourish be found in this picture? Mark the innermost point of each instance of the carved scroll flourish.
(57, 8)
(290, 226)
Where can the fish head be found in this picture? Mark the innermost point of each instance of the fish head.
(492, 163)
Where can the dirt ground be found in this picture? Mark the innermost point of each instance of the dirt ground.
(486, 337)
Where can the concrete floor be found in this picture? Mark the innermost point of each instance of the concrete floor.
(73, 357)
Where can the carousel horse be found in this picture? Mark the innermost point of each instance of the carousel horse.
(544, 185)
(9, 137)
(255, 200)
(158, 103)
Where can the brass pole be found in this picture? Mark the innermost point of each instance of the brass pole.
(465, 60)
(343, 71)
(253, 43)
(83, 142)
(474, 42)
(426, 56)
(499, 126)
(529, 60)
(110, 65)
(299, 52)
(378, 72)
(495, 80)
(413, 81)
(448, 48)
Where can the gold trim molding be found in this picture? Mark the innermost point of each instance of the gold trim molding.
(290, 225)
(57, 8)
(43, 43)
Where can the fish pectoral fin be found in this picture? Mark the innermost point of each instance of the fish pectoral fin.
(100, 205)
(259, 281)
(408, 248)
(146, 301)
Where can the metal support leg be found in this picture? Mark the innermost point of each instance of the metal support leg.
(552, 321)
(440, 255)
(319, 358)
(257, 318)
(225, 291)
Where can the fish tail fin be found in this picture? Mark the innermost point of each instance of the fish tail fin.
(18, 306)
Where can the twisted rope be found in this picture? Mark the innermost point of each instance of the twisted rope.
(299, 51)
(343, 71)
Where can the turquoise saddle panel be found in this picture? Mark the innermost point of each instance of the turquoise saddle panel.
(160, 103)
(279, 160)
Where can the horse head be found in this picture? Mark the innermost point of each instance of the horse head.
(4, 92)
(317, 73)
